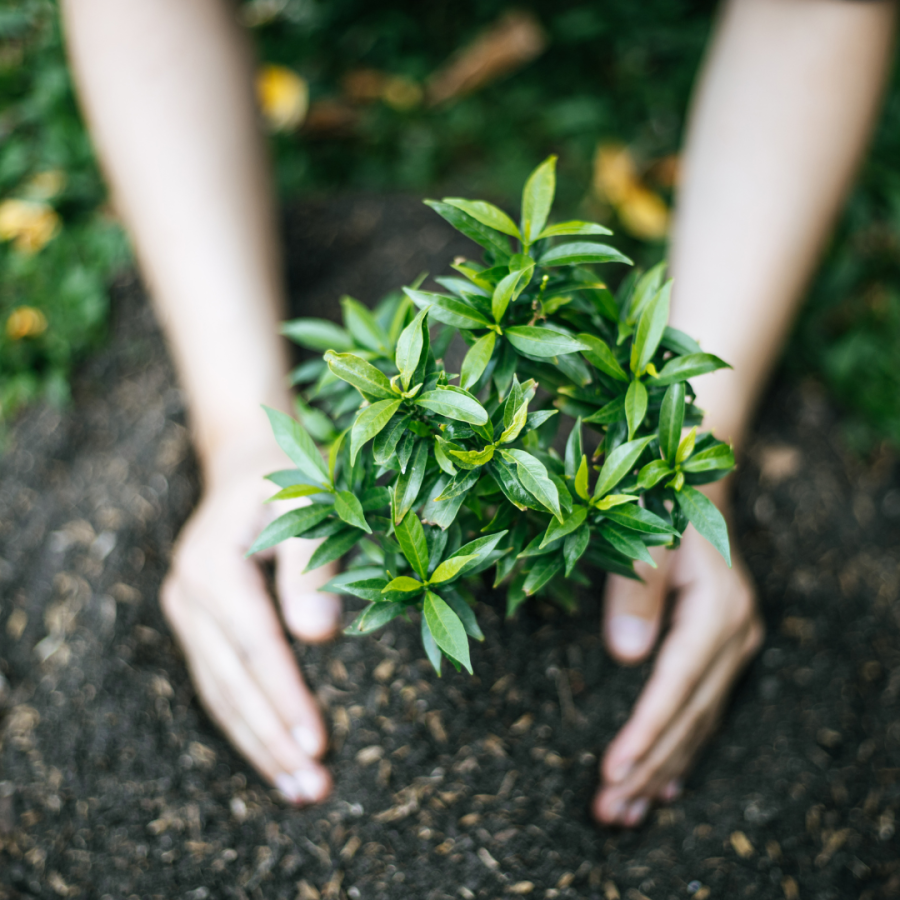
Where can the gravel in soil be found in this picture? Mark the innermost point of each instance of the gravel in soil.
(114, 783)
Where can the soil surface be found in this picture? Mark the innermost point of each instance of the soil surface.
(115, 784)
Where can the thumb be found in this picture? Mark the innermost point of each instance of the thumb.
(309, 614)
(633, 609)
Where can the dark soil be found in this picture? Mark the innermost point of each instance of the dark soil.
(114, 784)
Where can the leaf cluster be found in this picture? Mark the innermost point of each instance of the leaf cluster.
(437, 476)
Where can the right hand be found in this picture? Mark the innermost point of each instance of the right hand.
(241, 663)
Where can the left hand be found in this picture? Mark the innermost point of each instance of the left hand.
(716, 630)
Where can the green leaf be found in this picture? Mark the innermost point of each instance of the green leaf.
(369, 423)
(644, 291)
(542, 342)
(461, 484)
(612, 500)
(362, 325)
(671, 421)
(369, 588)
(719, 457)
(317, 334)
(535, 480)
(653, 473)
(409, 483)
(573, 227)
(686, 447)
(405, 584)
(432, 651)
(291, 524)
(453, 403)
(387, 439)
(447, 629)
(650, 329)
(635, 406)
(625, 543)
(476, 360)
(474, 457)
(599, 354)
(509, 288)
(333, 548)
(369, 381)
(574, 450)
(442, 513)
(409, 348)
(606, 415)
(517, 423)
(298, 445)
(450, 568)
(411, 538)
(472, 228)
(537, 198)
(618, 464)
(295, 491)
(682, 368)
(702, 513)
(581, 479)
(679, 342)
(486, 213)
(348, 507)
(638, 519)
(542, 571)
(465, 613)
(557, 529)
(575, 545)
(581, 252)
(451, 311)
(478, 550)
(442, 459)
(374, 617)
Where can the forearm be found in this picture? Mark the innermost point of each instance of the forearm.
(167, 87)
(781, 118)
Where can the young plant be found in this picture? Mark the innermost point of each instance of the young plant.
(437, 476)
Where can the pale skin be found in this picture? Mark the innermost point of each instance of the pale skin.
(786, 103)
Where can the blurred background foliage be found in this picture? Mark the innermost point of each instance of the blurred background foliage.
(460, 98)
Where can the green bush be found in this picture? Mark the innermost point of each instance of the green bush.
(61, 247)
(439, 481)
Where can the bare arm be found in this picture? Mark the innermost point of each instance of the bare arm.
(167, 87)
(784, 108)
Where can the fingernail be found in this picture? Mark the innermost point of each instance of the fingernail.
(617, 810)
(306, 740)
(673, 789)
(636, 812)
(630, 635)
(288, 787)
(310, 782)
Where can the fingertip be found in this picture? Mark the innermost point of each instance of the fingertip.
(313, 782)
(311, 616)
(630, 638)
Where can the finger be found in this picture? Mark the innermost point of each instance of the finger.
(672, 754)
(633, 610)
(305, 783)
(248, 717)
(309, 614)
(244, 611)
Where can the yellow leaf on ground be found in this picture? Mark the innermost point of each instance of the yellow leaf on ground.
(283, 97)
(742, 845)
(25, 321)
(29, 223)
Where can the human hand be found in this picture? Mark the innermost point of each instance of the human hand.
(240, 661)
(716, 629)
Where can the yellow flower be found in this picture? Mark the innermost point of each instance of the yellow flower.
(30, 223)
(283, 97)
(25, 321)
(641, 211)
